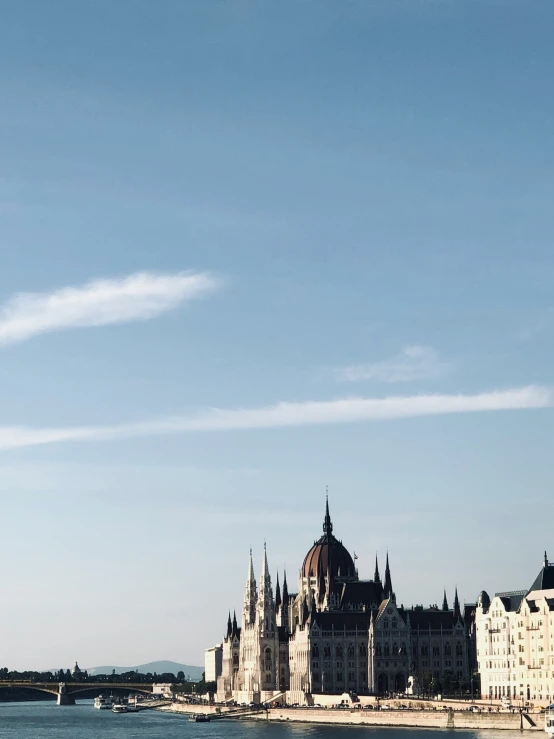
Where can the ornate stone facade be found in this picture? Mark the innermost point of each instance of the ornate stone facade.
(515, 641)
(337, 634)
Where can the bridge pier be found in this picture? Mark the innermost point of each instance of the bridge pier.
(64, 699)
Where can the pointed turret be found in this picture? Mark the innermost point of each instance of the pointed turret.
(265, 579)
(250, 595)
(327, 523)
(266, 605)
(285, 589)
(388, 592)
(545, 559)
(229, 625)
(444, 602)
(457, 611)
(376, 576)
(235, 626)
(277, 594)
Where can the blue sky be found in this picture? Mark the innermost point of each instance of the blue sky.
(253, 249)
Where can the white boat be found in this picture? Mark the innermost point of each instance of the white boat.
(103, 703)
(549, 720)
(132, 705)
(119, 708)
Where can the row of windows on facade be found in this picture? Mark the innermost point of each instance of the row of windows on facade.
(386, 650)
(447, 651)
(338, 666)
(500, 614)
(501, 678)
(351, 677)
(503, 691)
(339, 651)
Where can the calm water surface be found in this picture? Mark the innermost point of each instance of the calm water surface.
(48, 721)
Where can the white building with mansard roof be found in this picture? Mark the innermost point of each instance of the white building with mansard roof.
(515, 642)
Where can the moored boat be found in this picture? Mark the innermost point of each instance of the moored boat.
(199, 718)
(119, 708)
(103, 703)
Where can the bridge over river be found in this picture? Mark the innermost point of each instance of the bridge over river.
(67, 692)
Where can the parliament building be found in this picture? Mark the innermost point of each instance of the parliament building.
(337, 634)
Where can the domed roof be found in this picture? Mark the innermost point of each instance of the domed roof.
(328, 553)
(483, 601)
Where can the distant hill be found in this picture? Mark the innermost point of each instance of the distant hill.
(192, 671)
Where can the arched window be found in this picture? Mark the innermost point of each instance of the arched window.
(447, 650)
(436, 650)
(395, 648)
(403, 648)
(387, 650)
(315, 651)
(363, 650)
(350, 650)
(385, 623)
(378, 650)
(394, 624)
(327, 650)
(235, 660)
(267, 655)
(424, 650)
(459, 650)
(339, 652)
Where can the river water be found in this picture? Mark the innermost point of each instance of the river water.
(45, 720)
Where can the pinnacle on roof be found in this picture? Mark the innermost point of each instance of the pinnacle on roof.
(444, 602)
(388, 580)
(457, 611)
(376, 576)
(277, 593)
(327, 523)
(251, 577)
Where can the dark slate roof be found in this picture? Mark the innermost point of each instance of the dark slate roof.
(511, 601)
(362, 592)
(429, 618)
(339, 620)
(545, 579)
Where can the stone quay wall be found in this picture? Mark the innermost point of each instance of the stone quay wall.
(407, 718)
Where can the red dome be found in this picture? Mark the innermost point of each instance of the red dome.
(328, 553)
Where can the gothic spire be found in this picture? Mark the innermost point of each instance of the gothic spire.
(250, 594)
(277, 594)
(229, 625)
(444, 602)
(376, 576)
(265, 579)
(388, 581)
(235, 626)
(266, 607)
(327, 524)
(457, 611)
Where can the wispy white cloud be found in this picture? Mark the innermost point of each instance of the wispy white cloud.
(412, 364)
(282, 415)
(137, 297)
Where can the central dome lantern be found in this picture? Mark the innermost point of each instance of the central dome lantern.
(328, 556)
